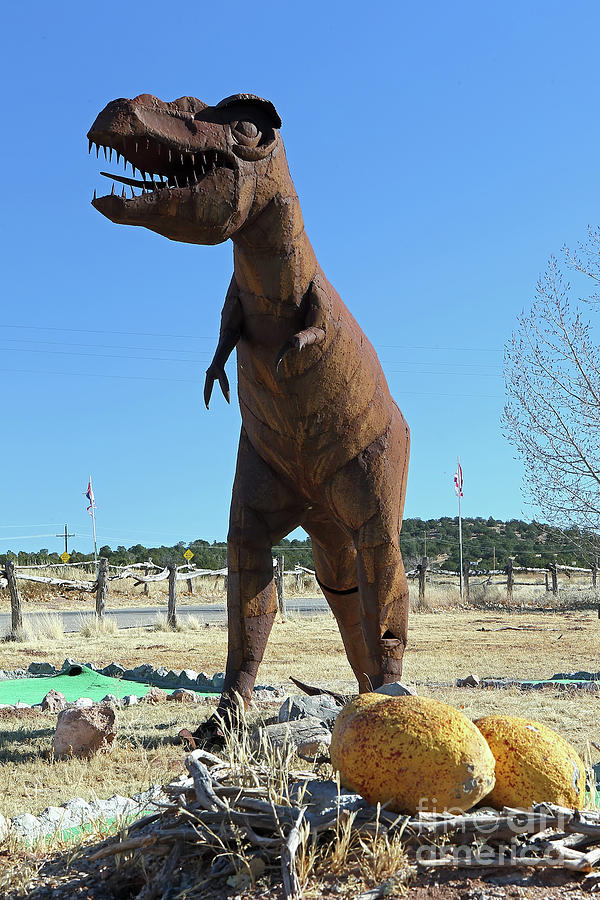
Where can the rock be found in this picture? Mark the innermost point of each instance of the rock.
(41, 668)
(154, 695)
(79, 811)
(203, 682)
(54, 701)
(396, 689)
(142, 673)
(322, 707)
(147, 800)
(68, 664)
(171, 679)
(130, 700)
(110, 698)
(27, 826)
(115, 807)
(315, 750)
(55, 818)
(414, 753)
(264, 695)
(113, 670)
(82, 703)
(295, 731)
(218, 680)
(182, 695)
(187, 679)
(469, 681)
(82, 732)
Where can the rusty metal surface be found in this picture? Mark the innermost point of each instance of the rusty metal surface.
(323, 445)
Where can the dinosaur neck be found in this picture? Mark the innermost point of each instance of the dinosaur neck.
(273, 257)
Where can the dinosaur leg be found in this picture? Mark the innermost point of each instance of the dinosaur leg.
(367, 495)
(335, 563)
(263, 510)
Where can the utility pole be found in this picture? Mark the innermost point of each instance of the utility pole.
(425, 550)
(66, 536)
(494, 566)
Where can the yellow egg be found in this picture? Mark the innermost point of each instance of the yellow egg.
(413, 753)
(533, 764)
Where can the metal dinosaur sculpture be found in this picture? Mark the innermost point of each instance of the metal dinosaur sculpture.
(322, 445)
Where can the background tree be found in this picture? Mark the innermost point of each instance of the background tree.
(552, 377)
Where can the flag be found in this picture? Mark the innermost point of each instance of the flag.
(90, 495)
(458, 480)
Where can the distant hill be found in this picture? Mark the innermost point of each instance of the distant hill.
(529, 543)
(489, 540)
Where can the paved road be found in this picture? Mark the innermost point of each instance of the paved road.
(139, 616)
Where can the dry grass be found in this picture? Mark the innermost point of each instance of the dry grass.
(442, 647)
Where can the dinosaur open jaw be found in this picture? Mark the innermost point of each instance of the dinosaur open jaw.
(162, 168)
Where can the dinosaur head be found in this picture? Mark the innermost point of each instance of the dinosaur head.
(203, 170)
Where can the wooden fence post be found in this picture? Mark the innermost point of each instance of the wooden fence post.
(510, 583)
(171, 614)
(466, 567)
(554, 576)
(190, 585)
(422, 570)
(594, 574)
(280, 587)
(299, 579)
(15, 600)
(547, 583)
(147, 571)
(101, 587)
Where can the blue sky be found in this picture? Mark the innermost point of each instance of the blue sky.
(441, 153)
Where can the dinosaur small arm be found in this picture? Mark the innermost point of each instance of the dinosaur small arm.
(322, 444)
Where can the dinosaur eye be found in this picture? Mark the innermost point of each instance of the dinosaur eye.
(246, 133)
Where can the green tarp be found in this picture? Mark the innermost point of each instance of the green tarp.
(86, 683)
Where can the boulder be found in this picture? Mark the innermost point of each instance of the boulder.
(315, 749)
(534, 764)
(396, 689)
(154, 695)
(296, 731)
(182, 695)
(41, 668)
(218, 680)
(414, 753)
(130, 700)
(113, 670)
(54, 701)
(82, 703)
(322, 707)
(110, 698)
(83, 732)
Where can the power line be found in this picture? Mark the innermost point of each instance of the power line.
(212, 337)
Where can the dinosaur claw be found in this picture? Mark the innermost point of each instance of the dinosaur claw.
(208, 386)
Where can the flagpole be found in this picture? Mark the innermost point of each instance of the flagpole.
(93, 512)
(460, 540)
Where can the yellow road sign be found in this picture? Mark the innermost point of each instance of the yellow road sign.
(65, 557)
(188, 554)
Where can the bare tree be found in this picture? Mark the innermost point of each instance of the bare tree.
(552, 377)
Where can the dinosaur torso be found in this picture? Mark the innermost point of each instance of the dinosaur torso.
(323, 406)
